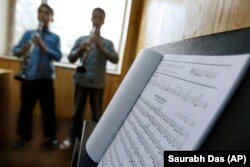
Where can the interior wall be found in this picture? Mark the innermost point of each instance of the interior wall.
(167, 21)
(3, 27)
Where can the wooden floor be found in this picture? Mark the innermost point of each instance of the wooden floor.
(35, 153)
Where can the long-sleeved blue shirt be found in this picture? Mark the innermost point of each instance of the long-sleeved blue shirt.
(96, 62)
(40, 64)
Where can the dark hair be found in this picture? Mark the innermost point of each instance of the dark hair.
(48, 7)
(99, 10)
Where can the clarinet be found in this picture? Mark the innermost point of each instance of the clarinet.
(25, 58)
(82, 68)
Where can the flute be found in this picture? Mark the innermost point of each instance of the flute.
(82, 68)
(25, 58)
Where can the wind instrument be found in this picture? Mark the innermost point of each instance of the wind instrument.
(82, 68)
(25, 58)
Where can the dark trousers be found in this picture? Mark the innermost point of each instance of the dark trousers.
(95, 99)
(31, 92)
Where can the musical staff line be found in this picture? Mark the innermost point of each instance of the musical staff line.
(178, 92)
(180, 130)
(197, 72)
(127, 150)
(197, 83)
(156, 162)
(207, 64)
(116, 153)
(134, 147)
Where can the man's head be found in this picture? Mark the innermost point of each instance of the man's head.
(98, 16)
(45, 14)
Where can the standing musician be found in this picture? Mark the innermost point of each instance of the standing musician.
(92, 80)
(38, 81)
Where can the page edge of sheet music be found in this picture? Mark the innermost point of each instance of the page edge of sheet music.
(96, 148)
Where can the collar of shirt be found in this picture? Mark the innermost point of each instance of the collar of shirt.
(45, 30)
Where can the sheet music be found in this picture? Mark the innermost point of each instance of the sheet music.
(177, 108)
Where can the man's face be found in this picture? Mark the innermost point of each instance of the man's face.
(97, 19)
(44, 15)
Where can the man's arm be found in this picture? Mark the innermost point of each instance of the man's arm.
(108, 52)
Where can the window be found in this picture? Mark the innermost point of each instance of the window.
(72, 18)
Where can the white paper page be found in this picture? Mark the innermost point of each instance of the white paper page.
(177, 108)
(122, 102)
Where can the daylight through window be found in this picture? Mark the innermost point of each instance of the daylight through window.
(72, 19)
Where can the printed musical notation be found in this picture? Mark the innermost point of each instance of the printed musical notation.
(168, 122)
(144, 136)
(179, 92)
(210, 73)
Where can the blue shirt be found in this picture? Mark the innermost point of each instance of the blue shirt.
(95, 75)
(40, 64)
